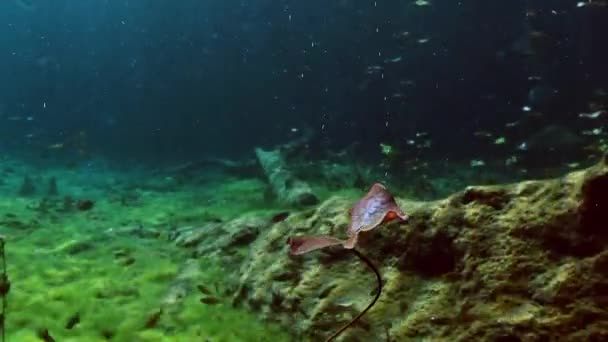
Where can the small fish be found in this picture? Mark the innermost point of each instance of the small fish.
(403, 34)
(386, 149)
(511, 161)
(44, 335)
(512, 124)
(374, 69)
(153, 319)
(593, 115)
(425, 144)
(393, 60)
(407, 82)
(84, 204)
(204, 290)
(523, 146)
(595, 131)
(500, 141)
(422, 3)
(597, 3)
(477, 163)
(280, 217)
(73, 321)
(482, 134)
(423, 40)
(421, 134)
(531, 13)
(210, 300)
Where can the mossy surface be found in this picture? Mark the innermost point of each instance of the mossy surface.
(111, 266)
(514, 262)
(520, 262)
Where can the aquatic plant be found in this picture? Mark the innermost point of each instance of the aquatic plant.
(5, 287)
(376, 207)
(52, 189)
(27, 187)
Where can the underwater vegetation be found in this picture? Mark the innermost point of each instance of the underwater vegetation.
(376, 207)
(88, 262)
(516, 261)
(5, 286)
(212, 178)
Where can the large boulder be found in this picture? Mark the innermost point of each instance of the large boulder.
(517, 262)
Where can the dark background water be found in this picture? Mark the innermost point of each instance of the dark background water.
(191, 78)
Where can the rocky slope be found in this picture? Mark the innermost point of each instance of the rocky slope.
(517, 262)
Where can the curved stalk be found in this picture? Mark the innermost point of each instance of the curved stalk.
(369, 264)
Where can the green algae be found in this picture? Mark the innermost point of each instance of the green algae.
(66, 263)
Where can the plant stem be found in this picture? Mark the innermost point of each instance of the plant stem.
(369, 264)
(4, 279)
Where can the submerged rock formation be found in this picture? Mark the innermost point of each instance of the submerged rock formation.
(289, 189)
(517, 262)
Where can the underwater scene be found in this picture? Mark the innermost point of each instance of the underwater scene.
(303, 170)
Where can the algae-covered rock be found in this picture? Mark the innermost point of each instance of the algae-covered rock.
(213, 238)
(192, 236)
(517, 262)
(289, 189)
(183, 284)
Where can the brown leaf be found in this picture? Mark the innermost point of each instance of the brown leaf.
(304, 244)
